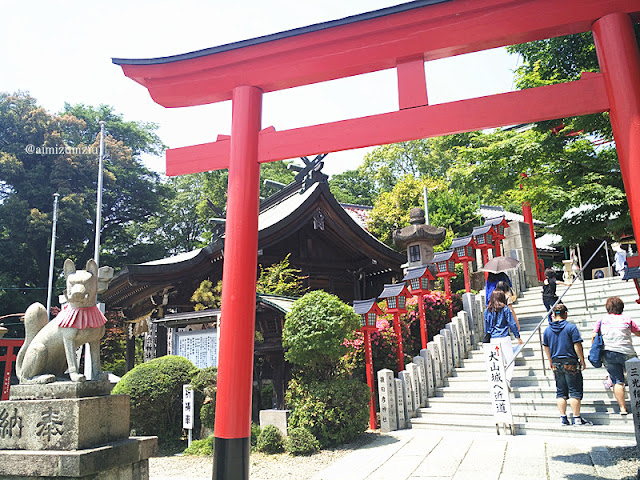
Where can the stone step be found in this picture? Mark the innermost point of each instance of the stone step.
(523, 406)
(542, 428)
(545, 416)
(469, 390)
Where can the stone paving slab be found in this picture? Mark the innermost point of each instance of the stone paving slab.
(421, 454)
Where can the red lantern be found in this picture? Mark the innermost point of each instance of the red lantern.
(418, 281)
(445, 263)
(369, 311)
(396, 295)
(483, 236)
(464, 249)
(499, 224)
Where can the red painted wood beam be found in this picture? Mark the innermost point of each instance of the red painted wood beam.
(430, 32)
(524, 106)
(412, 84)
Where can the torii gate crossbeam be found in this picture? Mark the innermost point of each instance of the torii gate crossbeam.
(401, 37)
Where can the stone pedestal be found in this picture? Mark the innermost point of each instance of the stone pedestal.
(70, 430)
(277, 418)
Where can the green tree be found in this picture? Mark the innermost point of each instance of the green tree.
(35, 163)
(353, 186)
(447, 208)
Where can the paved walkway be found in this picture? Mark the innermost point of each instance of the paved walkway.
(423, 454)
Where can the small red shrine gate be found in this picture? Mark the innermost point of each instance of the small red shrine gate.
(9, 348)
(401, 37)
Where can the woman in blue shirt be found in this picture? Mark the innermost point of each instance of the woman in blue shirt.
(498, 320)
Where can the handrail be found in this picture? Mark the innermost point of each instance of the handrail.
(544, 317)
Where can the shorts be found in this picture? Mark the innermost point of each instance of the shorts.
(568, 380)
(615, 363)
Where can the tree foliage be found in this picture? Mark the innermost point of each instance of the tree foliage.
(447, 207)
(207, 296)
(281, 279)
(42, 154)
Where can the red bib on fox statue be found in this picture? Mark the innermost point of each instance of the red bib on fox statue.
(89, 317)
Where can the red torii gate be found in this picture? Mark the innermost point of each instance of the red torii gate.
(401, 37)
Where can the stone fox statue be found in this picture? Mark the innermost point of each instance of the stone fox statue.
(50, 347)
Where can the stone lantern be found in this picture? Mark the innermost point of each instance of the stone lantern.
(418, 238)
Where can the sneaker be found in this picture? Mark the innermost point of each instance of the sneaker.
(565, 421)
(579, 421)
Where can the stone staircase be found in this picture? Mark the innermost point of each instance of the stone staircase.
(463, 402)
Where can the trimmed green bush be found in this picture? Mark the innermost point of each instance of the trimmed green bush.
(334, 411)
(155, 391)
(270, 440)
(315, 331)
(202, 447)
(301, 442)
(255, 433)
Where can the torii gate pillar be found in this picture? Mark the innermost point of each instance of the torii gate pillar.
(235, 361)
(620, 66)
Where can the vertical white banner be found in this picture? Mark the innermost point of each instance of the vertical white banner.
(498, 389)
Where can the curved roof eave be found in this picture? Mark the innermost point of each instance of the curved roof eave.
(321, 189)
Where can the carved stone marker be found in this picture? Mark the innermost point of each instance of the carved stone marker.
(412, 369)
(403, 415)
(387, 399)
(435, 350)
(462, 346)
(479, 312)
(408, 393)
(633, 377)
(468, 305)
(464, 322)
(429, 368)
(447, 352)
(455, 344)
(422, 379)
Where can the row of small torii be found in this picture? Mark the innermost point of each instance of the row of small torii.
(416, 283)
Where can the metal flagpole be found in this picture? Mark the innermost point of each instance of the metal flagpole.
(53, 252)
(96, 252)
